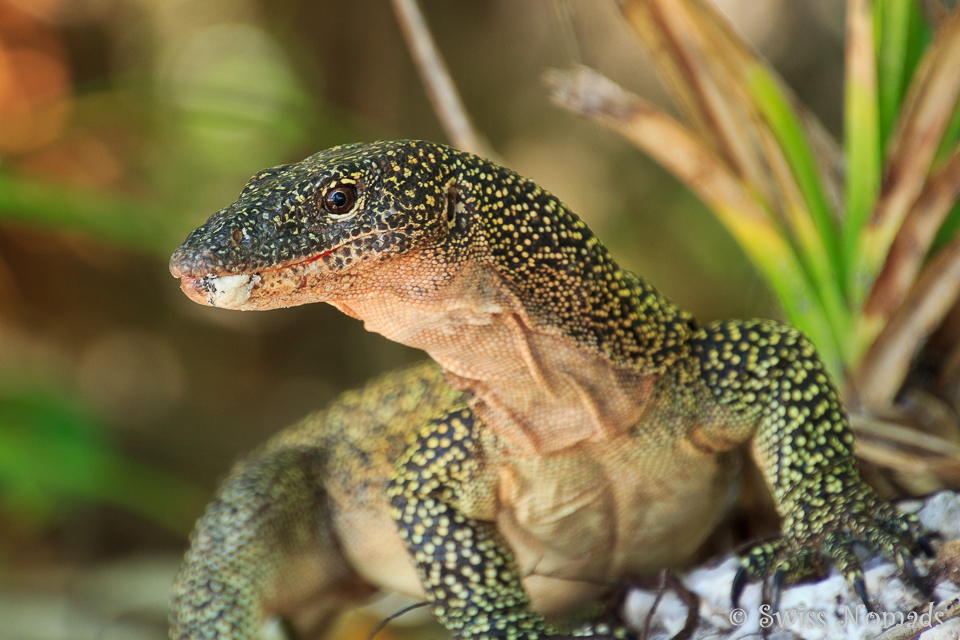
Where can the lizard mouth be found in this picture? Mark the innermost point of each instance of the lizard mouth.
(229, 292)
(234, 290)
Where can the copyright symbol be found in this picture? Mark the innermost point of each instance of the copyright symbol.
(738, 617)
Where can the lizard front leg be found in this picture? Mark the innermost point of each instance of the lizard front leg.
(264, 546)
(467, 569)
(768, 378)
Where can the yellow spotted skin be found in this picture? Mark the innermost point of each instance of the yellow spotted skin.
(464, 565)
(572, 413)
(267, 544)
(804, 446)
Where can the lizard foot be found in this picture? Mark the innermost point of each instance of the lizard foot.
(824, 533)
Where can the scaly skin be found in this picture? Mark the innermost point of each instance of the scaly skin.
(576, 423)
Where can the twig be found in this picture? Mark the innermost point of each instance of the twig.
(910, 630)
(675, 147)
(689, 598)
(926, 111)
(383, 623)
(443, 93)
(661, 589)
(863, 425)
(883, 369)
(913, 241)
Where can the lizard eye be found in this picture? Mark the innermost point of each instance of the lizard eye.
(340, 199)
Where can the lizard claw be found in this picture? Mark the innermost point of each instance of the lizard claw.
(777, 588)
(911, 572)
(861, 590)
(862, 518)
(924, 543)
(740, 580)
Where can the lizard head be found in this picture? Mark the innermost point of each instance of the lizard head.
(410, 235)
(298, 232)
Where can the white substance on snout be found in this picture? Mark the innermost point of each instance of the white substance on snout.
(230, 292)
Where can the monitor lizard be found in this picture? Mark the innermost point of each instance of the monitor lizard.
(572, 420)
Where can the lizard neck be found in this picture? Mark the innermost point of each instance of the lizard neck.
(524, 308)
(560, 272)
(535, 385)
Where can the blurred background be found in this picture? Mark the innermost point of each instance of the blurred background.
(125, 123)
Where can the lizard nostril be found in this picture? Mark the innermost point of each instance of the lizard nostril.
(237, 236)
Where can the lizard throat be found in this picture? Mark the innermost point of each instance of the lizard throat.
(534, 386)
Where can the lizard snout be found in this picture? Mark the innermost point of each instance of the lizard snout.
(188, 262)
(194, 289)
(228, 292)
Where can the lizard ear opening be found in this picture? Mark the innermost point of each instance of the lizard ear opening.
(451, 212)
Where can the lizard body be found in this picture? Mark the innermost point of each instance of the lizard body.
(576, 421)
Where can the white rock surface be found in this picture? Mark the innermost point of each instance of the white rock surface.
(825, 610)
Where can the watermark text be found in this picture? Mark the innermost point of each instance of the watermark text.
(803, 618)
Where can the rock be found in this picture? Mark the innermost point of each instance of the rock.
(828, 609)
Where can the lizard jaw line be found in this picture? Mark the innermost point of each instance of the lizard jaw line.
(232, 291)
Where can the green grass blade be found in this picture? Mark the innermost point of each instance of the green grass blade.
(862, 122)
(775, 259)
(821, 243)
(892, 22)
(919, 37)
(137, 225)
(693, 162)
(902, 36)
(926, 112)
(789, 132)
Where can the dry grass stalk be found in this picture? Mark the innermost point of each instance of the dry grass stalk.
(683, 153)
(738, 153)
(926, 111)
(894, 457)
(586, 92)
(745, 60)
(709, 96)
(882, 370)
(738, 107)
(733, 157)
(440, 87)
(861, 121)
(704, 64)
(913, 241)
(708, 69)
(871, 427)
(909, 452)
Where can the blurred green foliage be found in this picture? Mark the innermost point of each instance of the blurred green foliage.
(53, 454)
(223, 104)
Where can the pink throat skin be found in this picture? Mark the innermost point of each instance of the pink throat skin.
(534, 386)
